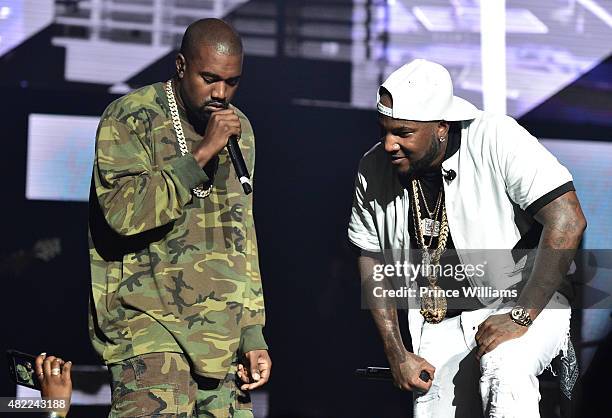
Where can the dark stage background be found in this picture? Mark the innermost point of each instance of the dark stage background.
(307, 155)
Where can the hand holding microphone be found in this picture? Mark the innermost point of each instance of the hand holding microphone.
(223, 130)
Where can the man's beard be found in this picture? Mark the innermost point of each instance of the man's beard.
(418, 167)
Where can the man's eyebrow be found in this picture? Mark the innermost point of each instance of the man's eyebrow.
(211, 75)
(401, 128)
(218, 77)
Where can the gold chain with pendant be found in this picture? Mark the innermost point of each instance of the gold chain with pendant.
(433, 305)
(432, 216)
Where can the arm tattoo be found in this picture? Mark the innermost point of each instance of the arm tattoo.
(384, 317)
(563, 224)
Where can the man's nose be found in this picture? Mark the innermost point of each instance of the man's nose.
(219, 91)
(390, 143)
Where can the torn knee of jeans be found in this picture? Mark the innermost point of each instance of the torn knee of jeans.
(490, 364)
(498, 395)
(500, 373)
(504, 375)
(507, 396)
(432, 394)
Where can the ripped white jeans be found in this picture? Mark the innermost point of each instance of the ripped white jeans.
(504, 383)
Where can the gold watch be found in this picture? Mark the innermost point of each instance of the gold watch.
(520, 315)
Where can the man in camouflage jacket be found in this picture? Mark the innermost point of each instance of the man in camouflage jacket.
(176, 299)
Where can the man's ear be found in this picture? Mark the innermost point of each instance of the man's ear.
(181, 64)
(442, 130)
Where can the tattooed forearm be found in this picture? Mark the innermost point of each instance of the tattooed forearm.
(563, 225)
(388, 327)
(385, 318)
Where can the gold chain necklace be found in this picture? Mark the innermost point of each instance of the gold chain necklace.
(180, 135)
(429, 213)
(433, 305)
(435, 225)
(431, 226)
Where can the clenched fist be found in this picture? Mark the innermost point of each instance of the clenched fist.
(407, 368)
(222, 124)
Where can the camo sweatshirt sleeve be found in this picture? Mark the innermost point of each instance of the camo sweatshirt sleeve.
(254, 311)
(253, 317)
(135, 195)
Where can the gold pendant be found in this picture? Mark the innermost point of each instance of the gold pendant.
(430, 227)
(433, 306)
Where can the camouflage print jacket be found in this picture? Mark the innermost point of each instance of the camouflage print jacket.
(170, 272)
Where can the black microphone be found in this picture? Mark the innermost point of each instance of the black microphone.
(239, 165)
(384, 373)
(449, 175)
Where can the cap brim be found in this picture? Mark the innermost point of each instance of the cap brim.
(460, 109)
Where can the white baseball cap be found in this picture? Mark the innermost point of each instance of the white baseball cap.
(423, 91)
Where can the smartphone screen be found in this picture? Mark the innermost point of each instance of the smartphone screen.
(21, 369)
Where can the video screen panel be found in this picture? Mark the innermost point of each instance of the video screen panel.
(60, 156)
